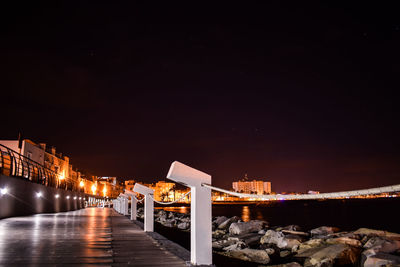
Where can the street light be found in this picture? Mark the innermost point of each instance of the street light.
(39, 194)
(81, 184)
(94, 189)
(57, 196)
(4, 191)
(105, 190)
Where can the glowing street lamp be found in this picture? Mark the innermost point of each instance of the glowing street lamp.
(94, 189)
(81, 184)
(39, 194)
(3, 191)
(105, 191)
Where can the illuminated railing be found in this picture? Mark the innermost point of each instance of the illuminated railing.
(14, 164)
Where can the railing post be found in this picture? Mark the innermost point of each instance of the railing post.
(148, 206)
(200, 213)
(133, 204)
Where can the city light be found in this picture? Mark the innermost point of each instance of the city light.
(39, 194)
(81, 184)
(4, 191)
(57, 196)
(80, 197)
(67, 197)
(94, 189)
(105, 191)
(74, 197)
(62, 176)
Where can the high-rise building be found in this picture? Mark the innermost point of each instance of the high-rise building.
(258, 187)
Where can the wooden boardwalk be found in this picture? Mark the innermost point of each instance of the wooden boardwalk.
(93, 236)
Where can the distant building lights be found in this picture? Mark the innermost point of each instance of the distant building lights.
(80, 197)
(57, 196)
(67, 197)
(4, 191)
(74, 197)
(39, 194)
(81, 184)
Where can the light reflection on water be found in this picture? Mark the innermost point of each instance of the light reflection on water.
(183, 209)
(246, 214)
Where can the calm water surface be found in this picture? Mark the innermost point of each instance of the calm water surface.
(348, 214)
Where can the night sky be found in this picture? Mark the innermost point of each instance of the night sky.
(301, 95)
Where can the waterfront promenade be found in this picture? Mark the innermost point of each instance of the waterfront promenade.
(92, 236)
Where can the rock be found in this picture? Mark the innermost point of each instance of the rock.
(270, 251)
(324, 230)
(220, 244)
(183, 225)
(295, 233)
(372, 232)
(248, 254)
(169, 223)
(381, 259)
(284, 253)
(226, 224)
(312, 243)
(246, 227)
(290, 264)
(292, 227)
(218, 233)
(235, 246)
(330, 255)
(382, 245)
(278, 238)
(220, 219)
(344, 240)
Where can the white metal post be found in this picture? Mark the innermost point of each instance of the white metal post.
(148, 206)
(133, 204)
(200, 230)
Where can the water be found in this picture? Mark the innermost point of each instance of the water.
(348, 214)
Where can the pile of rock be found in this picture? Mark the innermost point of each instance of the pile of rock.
(288, 246)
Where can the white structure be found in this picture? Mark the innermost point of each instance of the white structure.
(200, 232)
(148, 206)
(133, 204)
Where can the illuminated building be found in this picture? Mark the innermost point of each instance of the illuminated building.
(252, 187)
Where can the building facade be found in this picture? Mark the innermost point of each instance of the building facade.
(258, 187)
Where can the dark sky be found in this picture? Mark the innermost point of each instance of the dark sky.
(301, 95)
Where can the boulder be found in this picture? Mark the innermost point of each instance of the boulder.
(372, 232)
(295, 233)
(344, 240)
(292, 227)
(226, 224)
(218, 233)
(312, 243)
(284, 253)
(381, 259)
(253, 255)
(183, 225)
(379, 244)
(220, 244)
(279, 239)
(246, 227)
(270, 251)
(330, 255)
(235, 246)
(324, 230)
(220, 219)
(290, 264)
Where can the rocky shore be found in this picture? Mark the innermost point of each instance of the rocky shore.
(256, 241)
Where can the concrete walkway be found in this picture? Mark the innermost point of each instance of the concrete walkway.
(92, 236)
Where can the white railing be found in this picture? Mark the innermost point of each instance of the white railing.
(200, 189)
